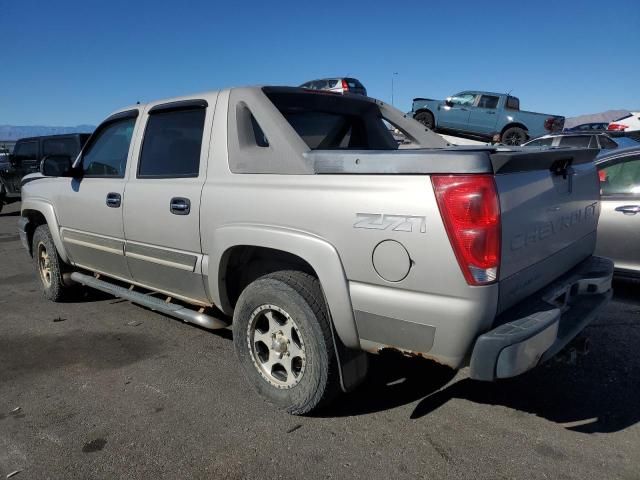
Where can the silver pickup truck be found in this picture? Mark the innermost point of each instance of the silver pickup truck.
(295, 214)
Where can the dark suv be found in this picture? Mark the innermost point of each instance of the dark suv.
(26, 157)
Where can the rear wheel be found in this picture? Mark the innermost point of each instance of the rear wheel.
(425, 118)
(283, 340)
(514, 136)
(48, 264)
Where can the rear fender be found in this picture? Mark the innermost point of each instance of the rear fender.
(318, 253)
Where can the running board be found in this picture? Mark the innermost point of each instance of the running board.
(156, 304)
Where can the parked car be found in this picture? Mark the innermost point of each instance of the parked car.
(588, 127)
(627, 123)
(599, 140)
(337, 85)
(295, 213)
(619, 225)
(26, 157)
(484, 114)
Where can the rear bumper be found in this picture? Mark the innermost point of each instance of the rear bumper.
(540, 326)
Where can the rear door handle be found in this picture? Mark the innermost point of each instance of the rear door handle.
(180, 206)
(491, 113)
(628, 209)
(114, 200)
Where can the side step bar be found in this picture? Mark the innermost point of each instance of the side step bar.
(156, 304)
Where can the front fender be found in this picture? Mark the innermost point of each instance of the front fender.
(317, 252)
(48, 212)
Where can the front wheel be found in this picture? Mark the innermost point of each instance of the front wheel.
(514, 136)
(48, 264)
(283, 341)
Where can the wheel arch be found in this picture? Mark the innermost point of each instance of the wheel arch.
(283, 248)
(423, 110)
(39, 212)
(514, 124)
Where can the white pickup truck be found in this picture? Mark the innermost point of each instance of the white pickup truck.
(295, 214)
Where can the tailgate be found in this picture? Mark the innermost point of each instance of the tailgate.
(549, 203)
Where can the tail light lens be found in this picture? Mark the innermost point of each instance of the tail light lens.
(345, 85)
(553, 123)
(617, 127)
(471, 213)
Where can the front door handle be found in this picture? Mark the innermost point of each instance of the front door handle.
(180, 206)
(628, 209)
(114, 200)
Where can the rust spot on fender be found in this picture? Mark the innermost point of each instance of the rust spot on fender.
(408, 353)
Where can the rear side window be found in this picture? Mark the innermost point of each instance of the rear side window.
(513, 103)
(25, 150)
(326, 122)
(540, 142)
(172, 144)
(606, 143)
(353, 83)
(106, 155)
(621, 179)
(575, 141)
(60, 146)
(488, 101)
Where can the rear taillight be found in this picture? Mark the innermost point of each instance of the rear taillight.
(552, 124)
(617, 127)
(345, 86)
(471, 213)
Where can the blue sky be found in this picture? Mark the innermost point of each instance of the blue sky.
(71, 62)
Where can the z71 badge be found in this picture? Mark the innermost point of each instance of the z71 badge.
(398, 223)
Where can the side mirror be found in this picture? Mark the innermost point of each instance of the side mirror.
(56, 166)
(448, 102)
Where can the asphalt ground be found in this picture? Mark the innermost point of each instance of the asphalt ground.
(101, 388)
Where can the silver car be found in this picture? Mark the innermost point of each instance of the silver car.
(337, 85)
(619, 226)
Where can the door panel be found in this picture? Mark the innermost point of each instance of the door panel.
(484, 117)
(619, 234)
(91, 231)
(163, 249)
(619, 224)
(90, 220)
(456, 116)
(162, 208)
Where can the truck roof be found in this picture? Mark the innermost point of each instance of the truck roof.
(59, 135)
(209, 93)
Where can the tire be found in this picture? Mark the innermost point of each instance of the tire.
(514, 136)
(426, 118)
(298, 372)
(49, 265)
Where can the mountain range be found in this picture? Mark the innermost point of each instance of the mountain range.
(608, 116)
(15, 132)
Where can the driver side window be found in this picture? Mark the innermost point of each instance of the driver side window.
(106, 155)
(465, 99)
